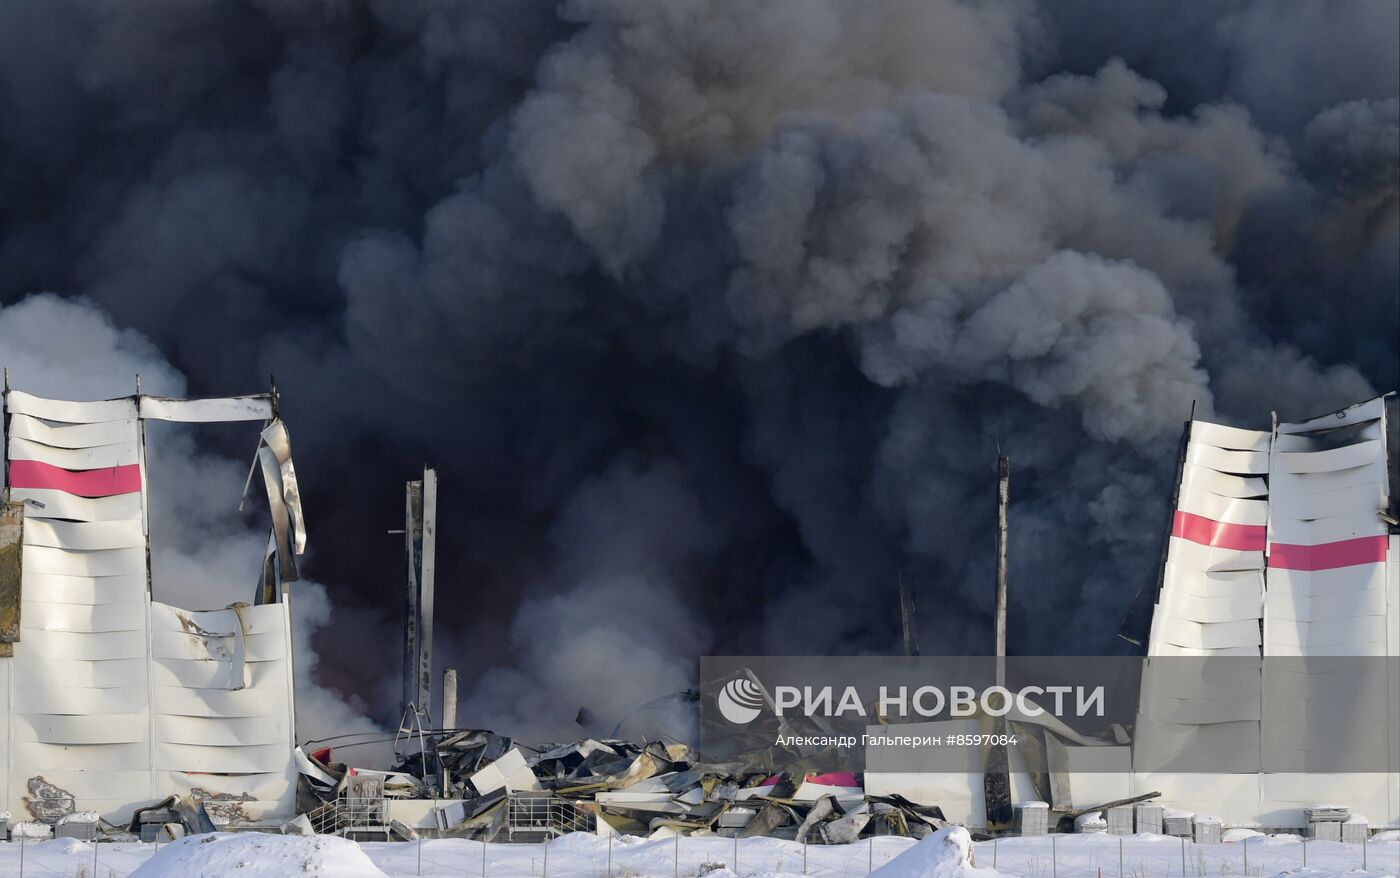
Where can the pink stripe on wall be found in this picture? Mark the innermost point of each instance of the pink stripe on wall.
(1209, 532)
(1346, 553)
(85, 483)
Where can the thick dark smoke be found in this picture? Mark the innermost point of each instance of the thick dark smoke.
(714, 314)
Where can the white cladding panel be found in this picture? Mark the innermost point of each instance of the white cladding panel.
(114, 699)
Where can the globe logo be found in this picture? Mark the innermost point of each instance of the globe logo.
(740, 701)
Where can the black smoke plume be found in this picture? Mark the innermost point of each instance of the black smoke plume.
(712, 313)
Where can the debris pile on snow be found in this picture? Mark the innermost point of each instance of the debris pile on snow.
(259, 855)
(1091, 822)
(946, 853)
(78, 817)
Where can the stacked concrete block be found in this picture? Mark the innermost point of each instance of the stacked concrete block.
(1032, 818)
(1177, 823)
(1325, 821)
(1355, 830)
(1120, 820)
(1207, 830)
(81, 825)
(1149, 818)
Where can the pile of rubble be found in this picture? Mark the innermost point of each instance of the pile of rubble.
(486, 784)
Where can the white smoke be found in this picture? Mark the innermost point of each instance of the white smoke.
(608, 629)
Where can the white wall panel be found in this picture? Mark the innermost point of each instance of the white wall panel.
(128, 616)
(1210, 559)
(84, 590)
(1331, 460)
(1317, 583)
(99, 457)
(98, 562)
(71, 412)
(1251, 463)
(90, 704)
(221, 702)
(85, 535)
(175, 645)
(1231, 510)
(191, 757)
(223, 731)
(78, 673)
(73, 436)
(50, 503)
(107, 728)
(1207, 479)
(69, 645)
(1332, 529)
(78, 701)
(1281, 483)
(1234, 438)
(214, 410)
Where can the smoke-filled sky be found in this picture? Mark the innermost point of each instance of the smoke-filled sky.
(713, 314)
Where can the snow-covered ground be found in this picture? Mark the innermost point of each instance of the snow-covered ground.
(585, 856)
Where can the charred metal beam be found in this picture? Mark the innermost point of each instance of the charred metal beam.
(420, 539)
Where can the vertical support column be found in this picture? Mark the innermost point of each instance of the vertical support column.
(996, 774)
(420, 539)
(1003, 496)
(413, 511)
(449, 699)
(427, 568)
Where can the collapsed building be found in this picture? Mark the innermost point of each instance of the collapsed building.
(1282, 543)
(1272, 629)
(115, 701)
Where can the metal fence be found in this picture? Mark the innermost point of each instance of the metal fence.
(1052, 856)
(351, 815)
(536, 816)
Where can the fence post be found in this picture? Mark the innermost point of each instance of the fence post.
(546, 857)
(1365, 840)
(1120, 856)
(21, 856)
(420, 857)
(610, 841)
(994, 852)
(1054, 859)
(736, 852)
(1183, 856)
(1244, 843)
(804, 856)
(94, 855)
(870, 858)
(483, 856)
(678, 853)
(1305, 852)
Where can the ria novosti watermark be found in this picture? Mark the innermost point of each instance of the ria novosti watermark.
(1230, 714)
(741, 701)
